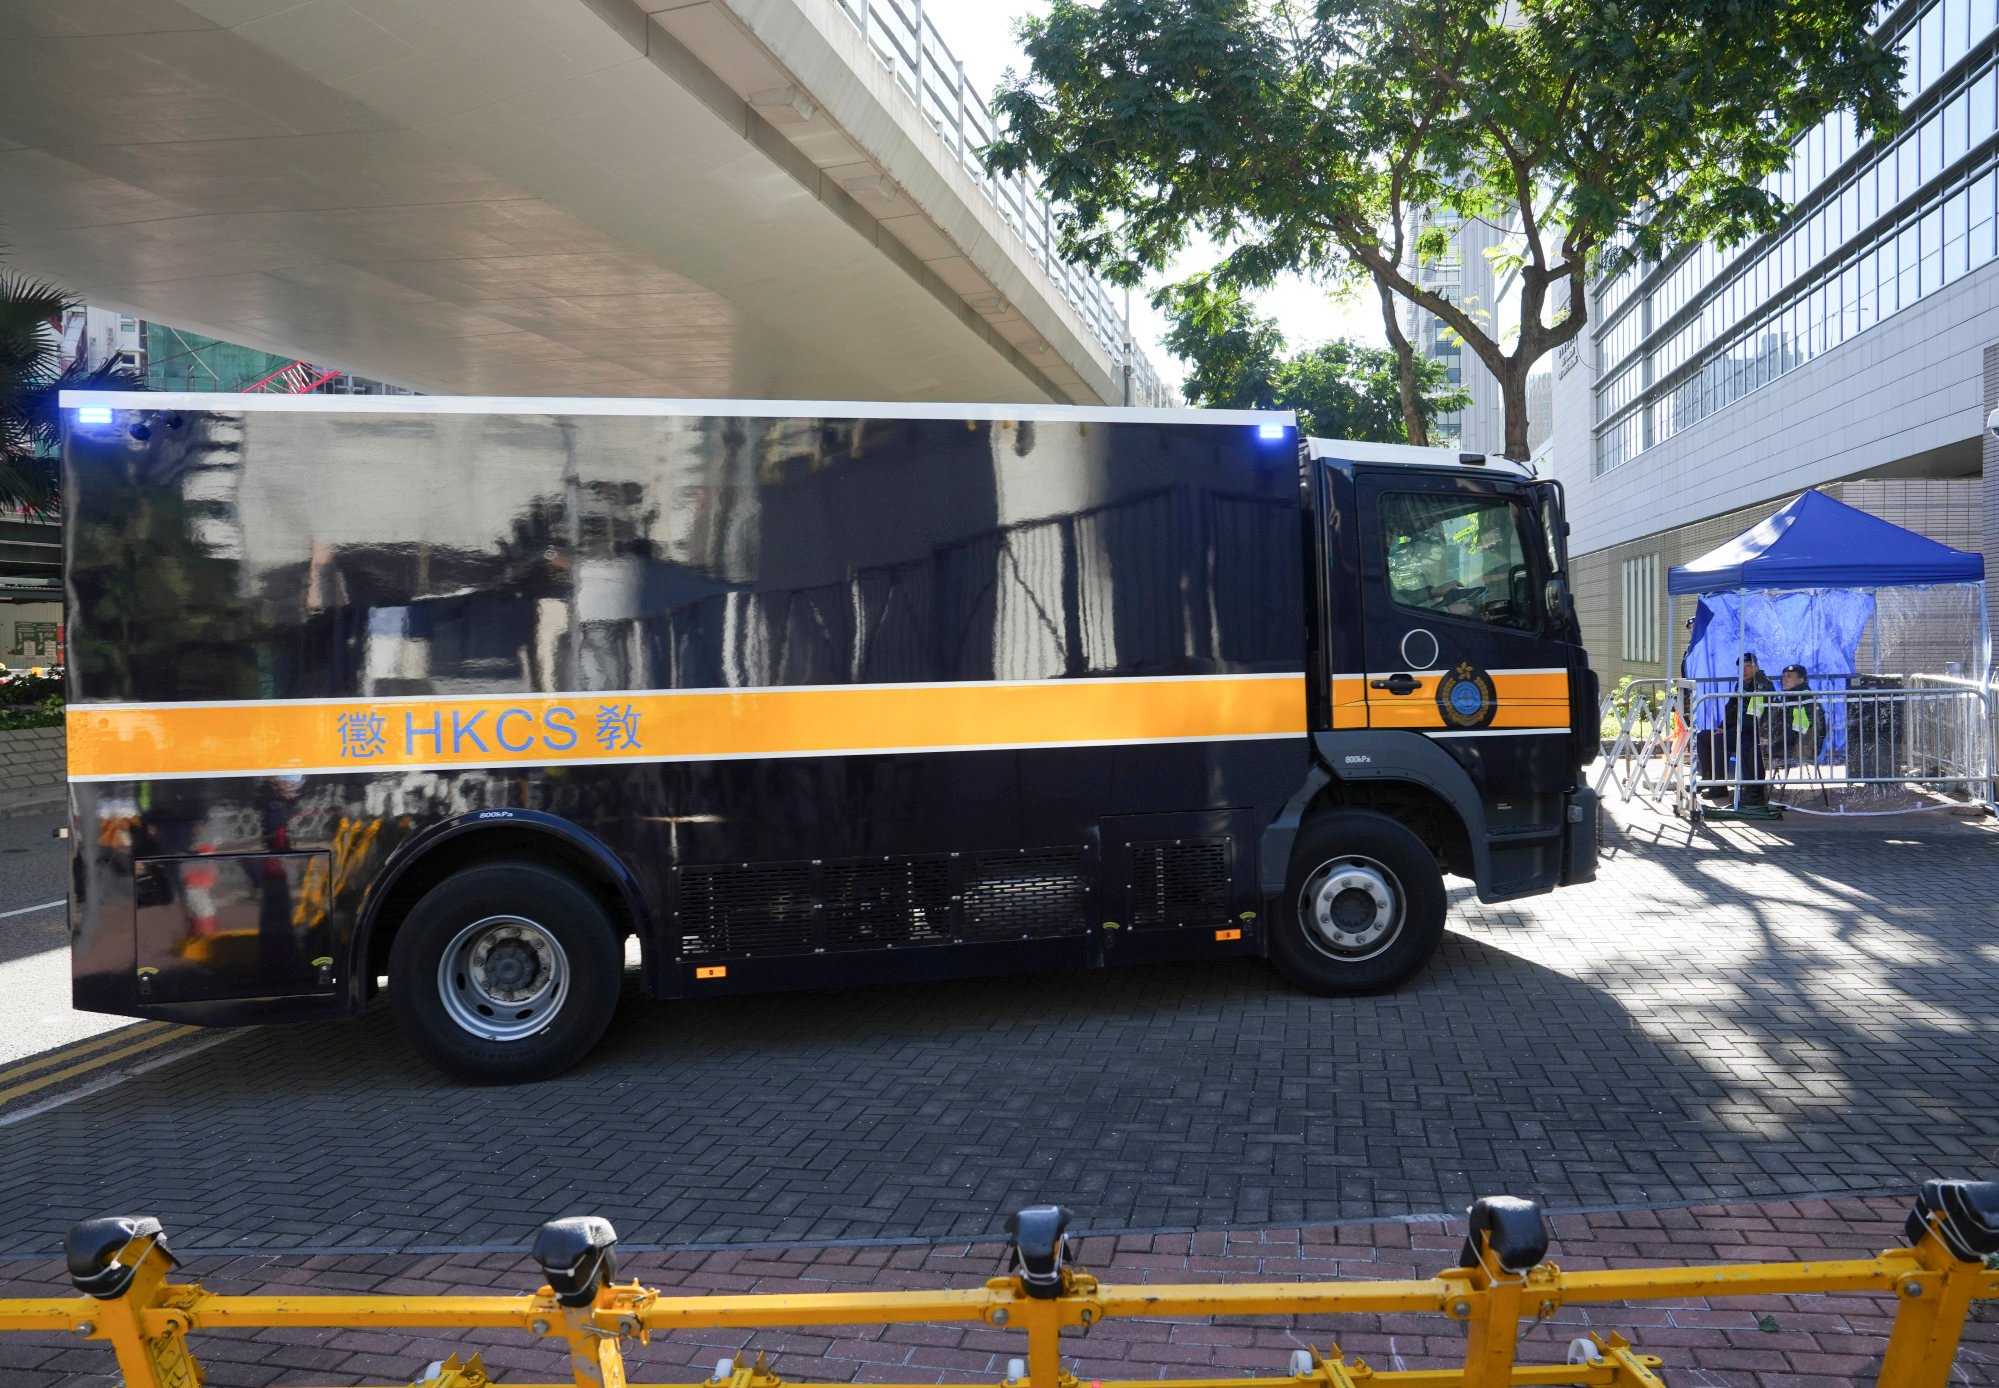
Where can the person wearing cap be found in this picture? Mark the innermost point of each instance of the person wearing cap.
(1796, 721)
(1746, 727)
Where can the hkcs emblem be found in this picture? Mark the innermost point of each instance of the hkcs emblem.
(1465, 697)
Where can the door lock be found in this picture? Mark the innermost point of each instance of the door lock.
(1397, 684)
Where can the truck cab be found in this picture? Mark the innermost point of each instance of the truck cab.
(1451, 689)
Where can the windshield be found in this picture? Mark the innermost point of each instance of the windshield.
(1461, 555)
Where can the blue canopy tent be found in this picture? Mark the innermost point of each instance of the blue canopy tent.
(1817, 542)
(1802, 586)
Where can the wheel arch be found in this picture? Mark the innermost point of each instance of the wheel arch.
(514, 836)
(1403, 775)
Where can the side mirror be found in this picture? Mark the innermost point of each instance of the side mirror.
(1561, 606)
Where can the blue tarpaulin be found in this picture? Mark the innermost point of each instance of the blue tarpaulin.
(1818, 630)
(1817, 542)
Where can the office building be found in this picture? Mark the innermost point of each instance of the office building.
(1854, 348)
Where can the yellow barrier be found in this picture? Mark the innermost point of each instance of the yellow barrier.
(121, 1266)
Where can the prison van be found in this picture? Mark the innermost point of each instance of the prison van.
(454, 697)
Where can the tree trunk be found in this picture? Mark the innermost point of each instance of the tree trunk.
(1405, 367)
(1513, 394)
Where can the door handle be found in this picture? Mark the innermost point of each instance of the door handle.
(1397, 684)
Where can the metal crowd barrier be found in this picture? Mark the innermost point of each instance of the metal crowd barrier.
(1503, 1284)
(1646, 755)
(1931, 736)
(1965, 747)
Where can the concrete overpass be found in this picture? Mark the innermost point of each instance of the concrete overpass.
(613, 197)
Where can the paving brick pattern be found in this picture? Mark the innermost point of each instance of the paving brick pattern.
(1764, 1342)
(33, 769)
(1757, 1014)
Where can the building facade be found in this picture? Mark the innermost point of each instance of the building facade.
(1855, 348)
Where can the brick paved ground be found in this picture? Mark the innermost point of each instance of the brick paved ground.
(1755, 1014)
(1766, 1342)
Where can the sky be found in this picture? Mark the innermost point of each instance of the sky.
(981, 33)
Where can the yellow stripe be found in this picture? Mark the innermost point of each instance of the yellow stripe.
(145, 1043)
(28, 1065)
(111, 741)
(1524, 701)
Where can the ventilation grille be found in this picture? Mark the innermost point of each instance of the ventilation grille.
(1179, 882)
(737, 911)
(760, 908)
(1038, 892)
(900, 901)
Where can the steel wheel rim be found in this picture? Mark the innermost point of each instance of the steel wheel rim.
(503, 978)
(1352, 908)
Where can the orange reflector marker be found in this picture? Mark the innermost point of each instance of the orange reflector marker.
(712, 971)
(1228, 934)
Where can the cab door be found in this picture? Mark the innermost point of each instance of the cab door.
(1457, 640)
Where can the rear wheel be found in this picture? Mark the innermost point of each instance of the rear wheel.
(502, 974)
(1363, 907)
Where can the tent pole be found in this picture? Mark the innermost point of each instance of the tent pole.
(1985, 695)
(1740, 704)
(1875, 593)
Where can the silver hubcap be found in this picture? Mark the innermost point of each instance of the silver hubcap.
(1351, 908)
(503, 978)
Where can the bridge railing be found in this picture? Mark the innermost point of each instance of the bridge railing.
(904, 37)
(1503, 1282)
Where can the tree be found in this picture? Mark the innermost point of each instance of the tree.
(31, 383)
(1309, 136)
(1340, 389)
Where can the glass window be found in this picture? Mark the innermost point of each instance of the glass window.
(1931, 136)
(1956, 33)
(1867, 188)
(1929, 38)
(1983, 108)
(1955, 246)
(1932, 251)
(1906, 180)
(1984, 17)
(1956, 128)
(1980, 217)
(1460, 556)
(1908, 268)
(1869, 305)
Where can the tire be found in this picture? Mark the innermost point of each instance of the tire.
(534, 970)
(1363, 906)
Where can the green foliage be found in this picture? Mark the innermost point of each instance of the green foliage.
(19, 687)
(1306, 135)
(30, 701)
(31, 383)
(46, 714)
(1340, 390)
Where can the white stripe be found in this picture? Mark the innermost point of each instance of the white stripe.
(30, 910)
(531, 765)
(586, 694)
(1429, 674)
(220, 403)
(1489, 732)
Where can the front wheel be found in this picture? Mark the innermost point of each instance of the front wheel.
(1363, 906)
(503, 974)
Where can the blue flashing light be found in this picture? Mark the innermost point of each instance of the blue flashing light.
(93, 414)
(1272, 431)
